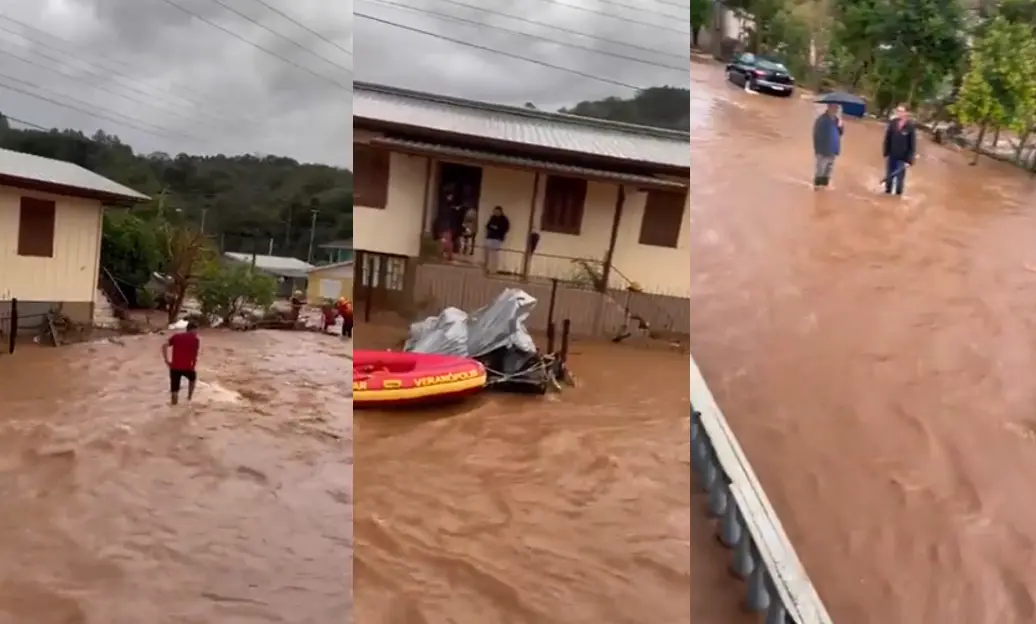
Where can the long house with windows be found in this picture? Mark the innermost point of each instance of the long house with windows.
(612, 194)
(51, 216)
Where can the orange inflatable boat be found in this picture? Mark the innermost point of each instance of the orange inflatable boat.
(389, 378)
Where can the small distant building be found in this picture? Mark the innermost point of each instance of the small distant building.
(337, 251)
(331, 282)
(292, 274)
(51, 218)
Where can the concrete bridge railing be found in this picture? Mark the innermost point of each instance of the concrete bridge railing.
(776, 583)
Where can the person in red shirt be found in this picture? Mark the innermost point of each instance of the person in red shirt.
(180, 353)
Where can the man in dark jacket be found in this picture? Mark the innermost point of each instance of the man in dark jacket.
(827, 144)
(899, 149)
(496, 232)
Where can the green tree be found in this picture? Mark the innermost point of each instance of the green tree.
(701, 11)
(225, 291)
(897, 50)
(239, 198)
(130, 250)
(999, 87)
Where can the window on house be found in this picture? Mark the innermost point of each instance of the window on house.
(663, 218)
(370, 176)
(563, 202)
(36, 228)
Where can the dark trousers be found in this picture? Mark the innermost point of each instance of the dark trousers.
(895, 175)
(176, 375)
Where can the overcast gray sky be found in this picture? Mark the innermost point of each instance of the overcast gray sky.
(145, 63)
(391, 55)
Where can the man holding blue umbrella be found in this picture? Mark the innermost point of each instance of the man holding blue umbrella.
(827, 143)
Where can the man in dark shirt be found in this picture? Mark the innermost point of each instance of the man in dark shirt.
(180, 353)
(496, 232)
(899, 150)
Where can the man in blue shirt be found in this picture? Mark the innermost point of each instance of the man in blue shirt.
(827, 144)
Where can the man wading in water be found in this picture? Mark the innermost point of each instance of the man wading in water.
(827, 144)
(899, 149)
(183, 361)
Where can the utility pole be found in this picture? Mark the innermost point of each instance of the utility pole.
(312, 234)
(204, 212)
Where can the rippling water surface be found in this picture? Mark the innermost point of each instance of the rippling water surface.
(121, 510)
(875, 356)
(514, 510)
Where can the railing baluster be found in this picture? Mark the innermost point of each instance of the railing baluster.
(776, 586)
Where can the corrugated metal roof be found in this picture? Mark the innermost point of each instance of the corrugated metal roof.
(521, 126)
(278, 265)
(529, 163)
(33, 168)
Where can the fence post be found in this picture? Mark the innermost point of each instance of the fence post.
(553, 299)
(12, 340)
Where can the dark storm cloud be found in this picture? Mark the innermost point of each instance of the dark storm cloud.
(148, 64)
(390, 55)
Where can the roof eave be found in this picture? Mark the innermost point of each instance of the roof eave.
(39, 186)
(374, 125)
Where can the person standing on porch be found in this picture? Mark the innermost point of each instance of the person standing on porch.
(496, 233)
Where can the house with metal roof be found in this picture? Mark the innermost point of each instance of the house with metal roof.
(291, 273)
(51, 215)
(608, 194)
(337, 251)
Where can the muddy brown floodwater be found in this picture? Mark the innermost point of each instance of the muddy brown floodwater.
(874, 356)
(570, 509)
(119, 509)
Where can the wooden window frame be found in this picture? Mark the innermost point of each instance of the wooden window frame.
(564, 205)
(371, 169)
(37, 226)
(662, 221)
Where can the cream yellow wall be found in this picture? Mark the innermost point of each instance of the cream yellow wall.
(71, 274)
(343, 275)
(395, 229)
(661, 270)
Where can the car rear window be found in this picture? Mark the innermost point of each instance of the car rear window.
(770, 65)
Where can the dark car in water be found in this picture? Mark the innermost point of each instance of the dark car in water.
(762, 74)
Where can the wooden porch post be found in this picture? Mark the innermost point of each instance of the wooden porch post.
(425, 224)
(606, 272)
(527, 255)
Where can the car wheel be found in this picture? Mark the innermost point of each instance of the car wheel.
(788, 93)
(730, 76)
(750, 85)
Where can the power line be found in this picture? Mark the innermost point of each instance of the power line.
(678, 5)
(25, 123)
(55, 102)
(637, 9)
(255, 45)
(576, 46)
(628, 20)
(88, 82)
(494, 51)
(281, 36)
(76, 56)
(304, 27)
(568, 31)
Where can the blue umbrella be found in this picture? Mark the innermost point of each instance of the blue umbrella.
(841, 97)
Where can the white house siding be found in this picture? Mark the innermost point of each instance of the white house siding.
(70, 276)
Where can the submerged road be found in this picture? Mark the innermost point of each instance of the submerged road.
(565, 509)
(119, 509)
(875, 357)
